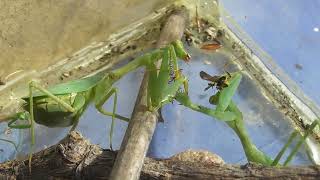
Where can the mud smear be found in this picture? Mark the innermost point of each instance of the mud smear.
(36, 34)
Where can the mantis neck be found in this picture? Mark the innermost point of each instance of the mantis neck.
(238, 128)
(137, 62)
(253, 154)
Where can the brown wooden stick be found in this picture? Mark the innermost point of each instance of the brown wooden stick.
(76, 158)
(141, 127)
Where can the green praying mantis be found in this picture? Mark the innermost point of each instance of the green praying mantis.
(62, 105)
(226, 110)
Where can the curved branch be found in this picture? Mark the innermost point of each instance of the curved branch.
(76, 158)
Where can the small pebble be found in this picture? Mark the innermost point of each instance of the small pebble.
(8, 131)
(115, 49)
(211, 31)
(133, 47)
(66, 74)
(234, 45)
(2, 82)
(206, 62)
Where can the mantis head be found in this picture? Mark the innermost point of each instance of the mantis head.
(180, 51)
(22, 115)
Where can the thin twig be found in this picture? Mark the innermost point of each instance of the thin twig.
(141, 127)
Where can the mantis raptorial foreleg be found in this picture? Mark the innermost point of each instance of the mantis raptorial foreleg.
(176, 70)
(225, 96)
(222, 100)
(184, 99)
(161, 89)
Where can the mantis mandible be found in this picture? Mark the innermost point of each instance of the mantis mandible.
(62, 105)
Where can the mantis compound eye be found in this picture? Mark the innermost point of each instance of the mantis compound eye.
(214, 99)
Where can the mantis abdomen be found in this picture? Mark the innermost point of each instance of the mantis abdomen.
(51, 114)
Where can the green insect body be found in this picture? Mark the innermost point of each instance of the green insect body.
(226, 110)
(75, 94)
(62, 105)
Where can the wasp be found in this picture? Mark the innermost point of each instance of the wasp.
(219, 82)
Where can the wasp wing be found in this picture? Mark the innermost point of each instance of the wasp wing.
(208, 77)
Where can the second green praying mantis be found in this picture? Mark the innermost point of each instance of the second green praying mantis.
(226, 110)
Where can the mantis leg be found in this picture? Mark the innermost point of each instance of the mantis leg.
(170, 92)
(11, 142)
(301, 141)
(19, 116)
(184, 99)
(113, 114)
(285, 147)
(160, 91)
(79, 103)
(156, 80)
(31, 124)
(176, 70)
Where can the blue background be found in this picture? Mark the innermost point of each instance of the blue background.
(285, 30)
